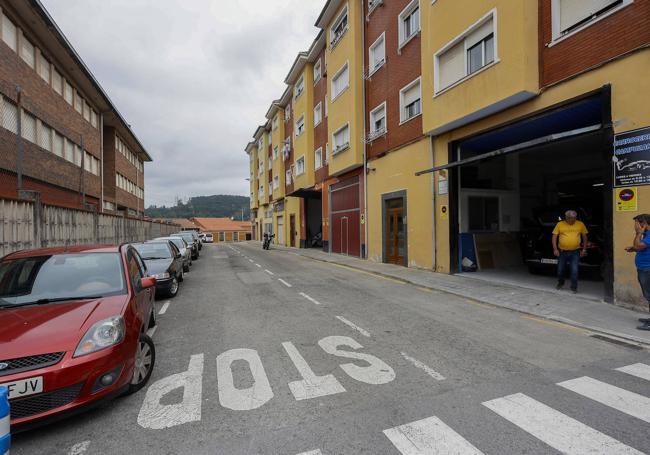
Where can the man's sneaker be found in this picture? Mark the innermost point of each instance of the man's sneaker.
(645, 326)
(559, 286)
(644, 320)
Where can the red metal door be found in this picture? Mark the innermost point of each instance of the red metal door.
(345, 212)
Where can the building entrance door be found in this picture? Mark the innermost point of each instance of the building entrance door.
(280, 236)
(395, 232)
(292, 232)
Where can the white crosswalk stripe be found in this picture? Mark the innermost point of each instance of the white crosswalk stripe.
(640, 370)
(556, 429)
(620, 399)
(312, 452)
(430, 436)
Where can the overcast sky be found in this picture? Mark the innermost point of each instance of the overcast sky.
(194, 78)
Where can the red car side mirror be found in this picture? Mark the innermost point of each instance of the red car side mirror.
(147, 282)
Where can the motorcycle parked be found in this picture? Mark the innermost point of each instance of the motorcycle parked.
(266, 244)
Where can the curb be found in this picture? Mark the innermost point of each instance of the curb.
(598, 330)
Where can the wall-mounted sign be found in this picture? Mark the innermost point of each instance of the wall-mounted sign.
(627, 199)
(443, 185)
(444, 212)
(363, 218)
(632, 158)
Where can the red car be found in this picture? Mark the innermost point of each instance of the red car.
(74, 329)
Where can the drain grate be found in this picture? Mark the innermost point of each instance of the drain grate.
(625, 344)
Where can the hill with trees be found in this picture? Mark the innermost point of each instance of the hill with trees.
(217, 206)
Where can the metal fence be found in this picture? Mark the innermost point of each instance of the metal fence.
(30, 224)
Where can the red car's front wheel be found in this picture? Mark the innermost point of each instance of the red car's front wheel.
(145, 358)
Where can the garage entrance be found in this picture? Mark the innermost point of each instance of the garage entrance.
(511, 186)
(345, 219)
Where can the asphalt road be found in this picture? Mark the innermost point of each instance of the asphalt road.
(266, 352)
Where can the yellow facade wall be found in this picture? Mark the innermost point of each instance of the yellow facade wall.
(277, 140)
(395, 172)
(304, 144)
(629, 112)
(254, 177)
(348, 106)
(292, 207)
(516, 66)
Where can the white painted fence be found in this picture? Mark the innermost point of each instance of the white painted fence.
(28, 224)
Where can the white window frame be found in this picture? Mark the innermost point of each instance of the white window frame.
(345, 66)
(318, 119)
(318, 163)
(317, 71)
(287, 113)
(557, 35)
(382, 61)
(406, 12)
(287, 177)
(301, 120)
(377, 133)
(373, 4)
(334, 41)
(276, 182)
(402, 107)
(299, 87)
(492, 14)
(276, 152)
(300, 160)
(275, 122)
(10, 24)
(335, 149)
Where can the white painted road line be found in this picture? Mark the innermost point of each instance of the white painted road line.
(311, 386)
(430, 436)
(312, 300)
(312, 452)
(79, 448)
(269, 272)
(640, 370)
(163, 310)
(152, 330)
(559, 431)
(284, 282)
(257, 265)
(430, 371)
(363, 332)
(620, 399)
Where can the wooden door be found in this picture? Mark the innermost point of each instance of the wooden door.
(292, 232)
(395, 232)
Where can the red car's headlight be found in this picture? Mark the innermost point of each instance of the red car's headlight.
(101, 335)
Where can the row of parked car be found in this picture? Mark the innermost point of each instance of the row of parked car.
(75, 322)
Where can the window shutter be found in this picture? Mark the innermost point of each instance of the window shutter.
(451, 65)
(27, 52)
(45, 137)
(58, 145)
(480, 33)
(44, 68)
(29, 127)
(9, 115)
(57, 81)
(574, 11)
(9, 33)
(411, 95)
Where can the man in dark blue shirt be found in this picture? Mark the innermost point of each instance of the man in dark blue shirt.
(641, 247)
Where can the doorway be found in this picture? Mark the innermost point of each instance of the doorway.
(394, 228)
(345, 217)
(280, 238)
(292, 230)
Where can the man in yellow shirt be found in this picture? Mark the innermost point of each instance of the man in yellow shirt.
(567, 238)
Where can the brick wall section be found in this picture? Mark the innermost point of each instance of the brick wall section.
(385, 84)
(320, 132)
(613, 36)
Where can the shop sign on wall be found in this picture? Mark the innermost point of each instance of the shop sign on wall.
(632, 158)
(626, 199)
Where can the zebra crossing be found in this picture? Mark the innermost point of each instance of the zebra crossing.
(432, 436)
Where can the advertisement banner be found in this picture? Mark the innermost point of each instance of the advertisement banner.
(632, 158)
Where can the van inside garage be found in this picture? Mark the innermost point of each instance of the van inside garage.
(514, 184)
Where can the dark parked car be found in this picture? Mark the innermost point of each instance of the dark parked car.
(165, 263)
(538, 250)
(189, 238)
(197, 238)
(73, 329)
(185, 249)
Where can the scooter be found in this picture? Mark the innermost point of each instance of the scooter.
(266, 244)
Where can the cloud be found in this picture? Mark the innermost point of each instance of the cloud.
(193, 78)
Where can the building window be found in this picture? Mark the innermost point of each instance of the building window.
(378, 121)
(9, 115)
(467, 54)
(317, 71)
(410, 101)
(29, 127)
(339, 28)
(377, 54)
(287, 113)
(340, 82)
(318, 158)
(222, 236)
(236, 236)
(300, 87)
(45, 136)
(409, 22)
(275, 123)
(68, 92)
(69, 151)
(300, 125)
(372, 4)
(78, 103)
(300, 166)
(94, 119)
(9, 33)
(318, 114)
(58, 145)
(341, 139)
(276, 151)
(28, 52)
(571, 15)
(287, 177)
(43, 68)
(276, 182)
(57, 81)
(86, 114)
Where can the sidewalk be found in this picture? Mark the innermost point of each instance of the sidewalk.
(596, 316)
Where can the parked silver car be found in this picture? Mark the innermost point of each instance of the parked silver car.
(185, 249)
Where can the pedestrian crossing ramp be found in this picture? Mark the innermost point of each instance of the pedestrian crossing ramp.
(432, 436)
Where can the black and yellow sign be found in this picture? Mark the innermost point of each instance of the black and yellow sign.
(444, 212)
(627, 199)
